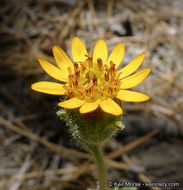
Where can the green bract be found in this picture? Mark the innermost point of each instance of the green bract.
(95, 127)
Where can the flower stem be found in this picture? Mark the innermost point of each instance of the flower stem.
(97, 152)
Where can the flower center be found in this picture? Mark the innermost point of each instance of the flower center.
(92, 81)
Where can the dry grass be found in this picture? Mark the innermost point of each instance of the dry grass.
(33, 155)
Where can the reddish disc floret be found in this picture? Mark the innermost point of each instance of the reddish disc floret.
(91, 81)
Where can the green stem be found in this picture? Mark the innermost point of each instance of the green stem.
(97, 152)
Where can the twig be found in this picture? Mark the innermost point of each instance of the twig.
(132, 145)
(65, 152)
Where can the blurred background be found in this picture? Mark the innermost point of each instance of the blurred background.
(37, 152)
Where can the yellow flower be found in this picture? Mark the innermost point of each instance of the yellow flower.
(93, 81)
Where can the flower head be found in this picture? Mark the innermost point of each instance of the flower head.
(92, 80)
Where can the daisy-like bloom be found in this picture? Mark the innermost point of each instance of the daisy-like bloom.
(92, 80)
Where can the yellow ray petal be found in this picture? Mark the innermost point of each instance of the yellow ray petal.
(49, 88)
(78, 50)
(131, 96)
(53, 71)
(62, 59)
(100, 51)
(71, 103)
(117, 55)
(134, 79)
(132, 66)
(88, 107)
(111, 107)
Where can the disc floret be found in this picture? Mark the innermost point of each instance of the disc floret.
(92, 81)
